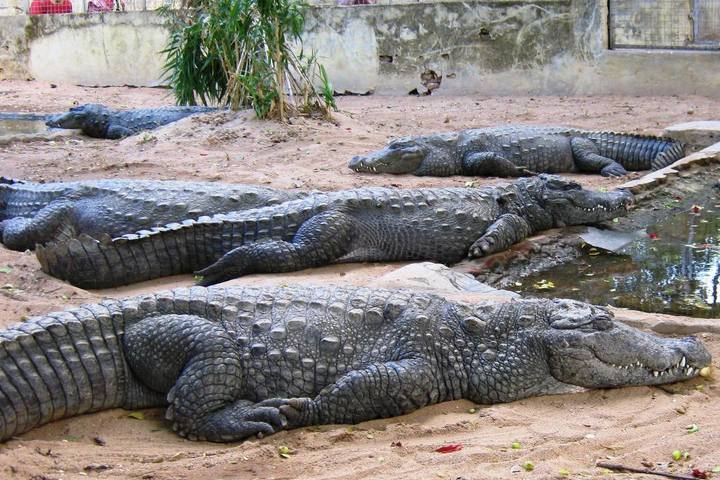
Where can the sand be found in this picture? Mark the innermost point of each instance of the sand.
(633, 426)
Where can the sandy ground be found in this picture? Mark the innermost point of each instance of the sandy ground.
(631, 426)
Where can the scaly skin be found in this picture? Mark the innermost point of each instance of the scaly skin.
(33, 213)
(98, 121)
(521, 150)
(368, 224)
(234, 362)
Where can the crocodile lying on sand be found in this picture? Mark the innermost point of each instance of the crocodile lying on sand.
(99, 121)
(521, 150)
(367, 224)
(36, 213)
(234, 362)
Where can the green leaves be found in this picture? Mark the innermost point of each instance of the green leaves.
(677, 455)
(239, 53)
(137, 415)
(544, 285)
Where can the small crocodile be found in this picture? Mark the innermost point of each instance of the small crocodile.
(36, 213)
(234, 362)
(367, 224)
(521, 150)
(99, 121)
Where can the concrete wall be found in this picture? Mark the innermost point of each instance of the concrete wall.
(481, 46)
(98, 49)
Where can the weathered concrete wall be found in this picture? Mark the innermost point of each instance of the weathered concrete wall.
(99, 49)
(390, 47)
(13, 47)
(481, 46)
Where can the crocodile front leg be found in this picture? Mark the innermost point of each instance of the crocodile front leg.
(588, 159)
(319, 241)
(492, 164)
(381, 390)
(507, 230)
(198, 365)
(116, 132)
(55, 221)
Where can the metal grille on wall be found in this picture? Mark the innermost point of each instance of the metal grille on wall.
(37, 7)
(678, 24)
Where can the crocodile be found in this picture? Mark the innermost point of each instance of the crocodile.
(36, 213)
(367, 224)
(99, 121)
(233, 362)
(521, 150)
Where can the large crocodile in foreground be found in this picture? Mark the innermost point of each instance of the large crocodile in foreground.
(99, 121)
(35, 213)
(520, 150)
(367, 224)
(234, 362)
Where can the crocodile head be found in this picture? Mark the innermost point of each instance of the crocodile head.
(559, 346)
(415, 155)
(585, 347)
(91, 118)
(569, 204)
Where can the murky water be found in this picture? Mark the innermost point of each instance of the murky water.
(14, 127)
(674, 268)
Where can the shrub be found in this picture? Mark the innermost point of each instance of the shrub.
(239, 53)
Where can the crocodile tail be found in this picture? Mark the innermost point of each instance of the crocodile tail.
(89, 263)
(60, 365)
(637, 152)
(674, 152)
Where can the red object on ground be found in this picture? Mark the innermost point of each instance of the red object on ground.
(453, 447)
(43, 7)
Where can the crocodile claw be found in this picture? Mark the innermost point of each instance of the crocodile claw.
(613, 170)
(297, 411)
(525, 172)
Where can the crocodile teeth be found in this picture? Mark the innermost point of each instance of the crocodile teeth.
(682, 362)
(690, 371)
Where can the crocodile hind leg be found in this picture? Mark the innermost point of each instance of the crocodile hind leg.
(115, 132)
(587, 159)
(319, 241)
(198, 365)
(380, 390)
(55, 221)
(507, 230)
(492, 164)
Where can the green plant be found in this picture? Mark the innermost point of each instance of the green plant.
(239, 53)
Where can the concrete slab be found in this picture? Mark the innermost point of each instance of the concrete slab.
(696, 135)
(437, 278)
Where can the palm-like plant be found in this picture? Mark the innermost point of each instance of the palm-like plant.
(239, 53)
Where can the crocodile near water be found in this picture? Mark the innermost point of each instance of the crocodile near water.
(521, 150)
(36, 213)
(367, 224)
(234, 362)
(99, 121)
